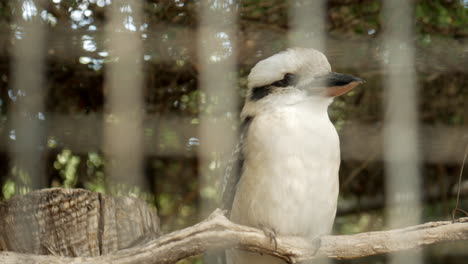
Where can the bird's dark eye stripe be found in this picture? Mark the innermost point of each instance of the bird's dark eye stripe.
(260, 92)
(288, 80)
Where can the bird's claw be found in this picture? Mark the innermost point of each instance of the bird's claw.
(271, 234)
(316, 243)
(291, 260)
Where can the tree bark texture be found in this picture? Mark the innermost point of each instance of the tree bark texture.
(74, 222)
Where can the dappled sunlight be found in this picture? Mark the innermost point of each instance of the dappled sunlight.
(29, 9)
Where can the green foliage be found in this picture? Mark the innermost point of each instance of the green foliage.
(95, 173)
(442, 17)
(18, 182)
(8, 188)
(67, 164)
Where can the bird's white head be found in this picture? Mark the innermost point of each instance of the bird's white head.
(292, 77)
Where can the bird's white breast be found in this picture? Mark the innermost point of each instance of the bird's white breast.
(290, 179)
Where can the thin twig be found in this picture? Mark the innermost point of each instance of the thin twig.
(454, 211)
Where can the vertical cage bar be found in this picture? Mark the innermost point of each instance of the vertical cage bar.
(307, 20)
(402, 161)
(123, 132)
(26, 114)
(218, 87)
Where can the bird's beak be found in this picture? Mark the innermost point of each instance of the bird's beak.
(338, 84)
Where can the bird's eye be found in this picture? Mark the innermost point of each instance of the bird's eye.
(289, 79)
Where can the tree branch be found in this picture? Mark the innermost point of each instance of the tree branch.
(217, 232)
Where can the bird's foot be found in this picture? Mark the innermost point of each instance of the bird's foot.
(271, 234)
(316, 243)
(291, 260)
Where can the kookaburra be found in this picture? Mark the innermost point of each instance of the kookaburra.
(284, 178)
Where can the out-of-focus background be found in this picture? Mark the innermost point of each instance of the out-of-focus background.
(59, 60)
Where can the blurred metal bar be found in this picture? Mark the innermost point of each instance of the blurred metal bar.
(307, 29)
(217, 50)
(26, 113)
(123, 133)
(401, 138)
(307, 20)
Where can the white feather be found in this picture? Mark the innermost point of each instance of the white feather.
(298, 60)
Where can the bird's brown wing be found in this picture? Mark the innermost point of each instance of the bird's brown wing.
(233, 171)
